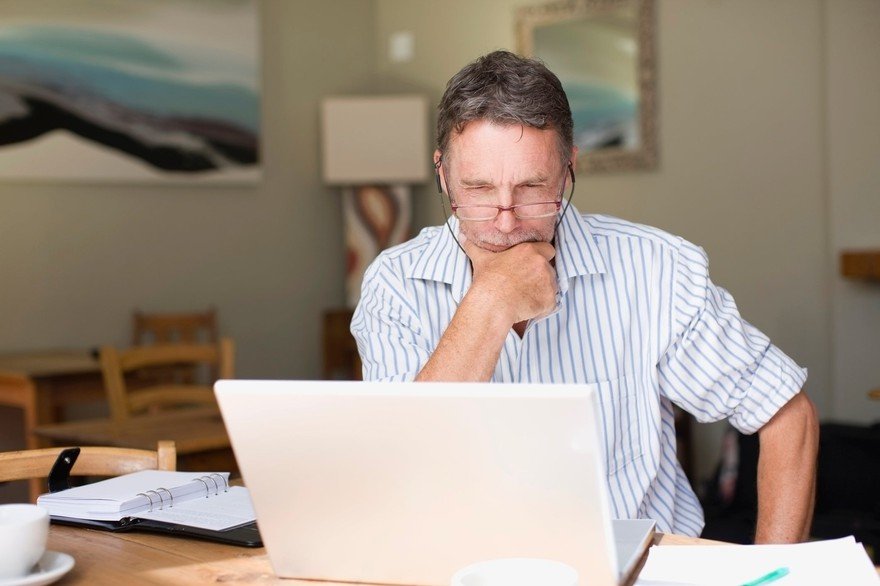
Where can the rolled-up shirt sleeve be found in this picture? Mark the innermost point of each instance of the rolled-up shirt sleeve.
(386, 328)
(718, 365)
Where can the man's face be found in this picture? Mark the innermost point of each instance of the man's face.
(504, 165)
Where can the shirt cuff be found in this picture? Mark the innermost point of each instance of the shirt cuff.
(776, 380)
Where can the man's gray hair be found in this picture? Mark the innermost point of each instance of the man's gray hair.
(504, 88)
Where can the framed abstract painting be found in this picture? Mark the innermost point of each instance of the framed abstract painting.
(130, 90)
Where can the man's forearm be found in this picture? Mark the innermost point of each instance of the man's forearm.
(470, 346)
(787, 473)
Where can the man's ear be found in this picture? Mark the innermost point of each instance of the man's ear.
(438, 158)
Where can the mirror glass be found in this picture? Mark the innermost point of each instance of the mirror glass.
(602, 51)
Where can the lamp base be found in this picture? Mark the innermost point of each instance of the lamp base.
(376, 217)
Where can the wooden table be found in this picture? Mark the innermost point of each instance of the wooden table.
(198, 433)
(140, 558)
(59, 378)
(860, 264)
(51, 363)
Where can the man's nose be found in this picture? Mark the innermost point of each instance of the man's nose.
(506, 221)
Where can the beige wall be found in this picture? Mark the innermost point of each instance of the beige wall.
(741, 144)
(853, 150)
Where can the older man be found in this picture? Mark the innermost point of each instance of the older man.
(521, 287)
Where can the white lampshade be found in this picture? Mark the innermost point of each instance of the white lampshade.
(375, 139)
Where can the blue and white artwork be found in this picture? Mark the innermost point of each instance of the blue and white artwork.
(129, 90)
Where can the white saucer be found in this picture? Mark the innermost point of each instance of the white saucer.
(51, 566)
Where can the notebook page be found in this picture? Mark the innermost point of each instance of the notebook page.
(118, 497)
(838, 561)
(223, 511)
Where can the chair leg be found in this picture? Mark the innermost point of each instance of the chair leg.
(36, 487)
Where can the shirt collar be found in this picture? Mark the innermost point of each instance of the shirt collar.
(442, 260)
(577, 253)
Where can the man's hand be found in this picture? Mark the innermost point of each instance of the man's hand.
(509, 287)
(520, 280)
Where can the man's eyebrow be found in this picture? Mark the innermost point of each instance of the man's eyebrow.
(476, 182)
(537, 178)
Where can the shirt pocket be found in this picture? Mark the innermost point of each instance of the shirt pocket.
(619, 420)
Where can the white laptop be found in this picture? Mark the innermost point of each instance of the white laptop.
(405, 483)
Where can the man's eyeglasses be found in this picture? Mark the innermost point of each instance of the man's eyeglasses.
(524, 211)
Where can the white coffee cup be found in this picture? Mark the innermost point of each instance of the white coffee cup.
(516, 572)
(24, 530)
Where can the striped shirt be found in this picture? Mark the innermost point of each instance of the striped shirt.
(637, 315)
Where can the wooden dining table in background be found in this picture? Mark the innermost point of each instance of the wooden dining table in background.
(59, 379)
(198, 434)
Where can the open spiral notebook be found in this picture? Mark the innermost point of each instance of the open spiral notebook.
(194, 504)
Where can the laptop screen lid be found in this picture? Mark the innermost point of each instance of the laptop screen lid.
(405, 483)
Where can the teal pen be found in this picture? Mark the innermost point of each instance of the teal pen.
(767, 578)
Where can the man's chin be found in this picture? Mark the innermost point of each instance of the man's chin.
(494, 247)
(506, 246)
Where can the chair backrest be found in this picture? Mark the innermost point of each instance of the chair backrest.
(174, 328)
(125, 401)
(92, 461)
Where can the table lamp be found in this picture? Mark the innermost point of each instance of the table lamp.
(375, 147)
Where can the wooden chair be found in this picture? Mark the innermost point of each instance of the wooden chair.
(125, 401)
(174, 328)
(18, 390)
(341, 358)
(92, 461)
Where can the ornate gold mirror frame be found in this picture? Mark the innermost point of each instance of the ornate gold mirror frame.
(603, 52)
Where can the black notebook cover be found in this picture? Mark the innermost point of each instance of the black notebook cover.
(246, 535)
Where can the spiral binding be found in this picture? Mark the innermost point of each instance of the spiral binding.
(212, 477)
(203, 479)
(170, 497)
(147, 494)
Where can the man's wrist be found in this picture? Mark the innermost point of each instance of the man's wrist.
(492, 310)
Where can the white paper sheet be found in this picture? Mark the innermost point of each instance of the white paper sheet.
(838, 561)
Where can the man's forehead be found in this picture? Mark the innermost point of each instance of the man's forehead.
(483, 136)
(511, 130)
